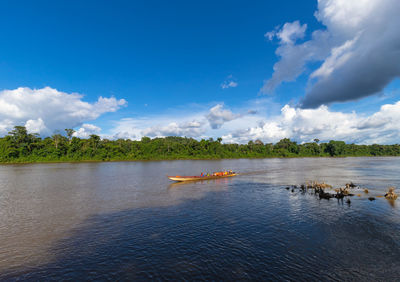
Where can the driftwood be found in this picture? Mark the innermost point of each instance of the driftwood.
(324, 195)
(350, 185)
(391, 195)
(316, 184)
(319, 189)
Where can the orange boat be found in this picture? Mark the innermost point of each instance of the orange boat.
(205, 177)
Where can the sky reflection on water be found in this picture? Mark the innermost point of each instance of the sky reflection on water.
(126, 220)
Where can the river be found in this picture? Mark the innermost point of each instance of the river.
(127, 221)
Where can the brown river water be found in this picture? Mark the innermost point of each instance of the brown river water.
(128, 221)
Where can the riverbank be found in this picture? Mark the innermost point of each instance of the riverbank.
(21, 147)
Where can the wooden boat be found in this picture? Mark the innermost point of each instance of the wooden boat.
(197, 178)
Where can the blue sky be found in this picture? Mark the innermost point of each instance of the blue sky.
(199, 69)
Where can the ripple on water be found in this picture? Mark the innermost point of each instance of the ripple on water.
(108, 222)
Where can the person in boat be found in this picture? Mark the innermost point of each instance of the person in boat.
(202, 174)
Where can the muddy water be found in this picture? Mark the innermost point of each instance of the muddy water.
(125, 220)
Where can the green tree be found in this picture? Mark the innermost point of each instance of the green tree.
(94, 141)
(336, 148)
(21, 146)
(57, 139)
(69, 132)
(288, 145)
(19, 135)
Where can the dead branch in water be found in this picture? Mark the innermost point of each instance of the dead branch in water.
(320, 187)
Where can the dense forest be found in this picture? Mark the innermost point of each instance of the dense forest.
(21, 146)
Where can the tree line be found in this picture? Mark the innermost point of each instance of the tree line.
(21, 146)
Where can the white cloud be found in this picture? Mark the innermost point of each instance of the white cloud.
(339, 55)
(304, 125)
(195, 123)
(217, 116)
(229, 83)
(270, 34)
(359, 51)
(293, 58)
(348, 17)
(188, 129)
(265, 123)
(86, 130)
(46, 110)
(36, 125)
(191, 125)
(289, 33)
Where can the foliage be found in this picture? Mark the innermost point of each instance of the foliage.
(20, 146)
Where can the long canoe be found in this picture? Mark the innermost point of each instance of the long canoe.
(196, 178)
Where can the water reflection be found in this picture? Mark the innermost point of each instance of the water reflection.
(211, 183)
(392, 203)
(65, 220)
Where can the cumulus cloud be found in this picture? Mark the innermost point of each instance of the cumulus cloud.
(270, 126)
(200, 123)
(192, 125)
(303, 125)
(359, 51)
(36, 125)
(86, 130)
(217, 116)
(46, 110)
(188, 129)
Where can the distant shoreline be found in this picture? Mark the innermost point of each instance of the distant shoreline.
(19, 146)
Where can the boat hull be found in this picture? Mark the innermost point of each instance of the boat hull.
(198, 178)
